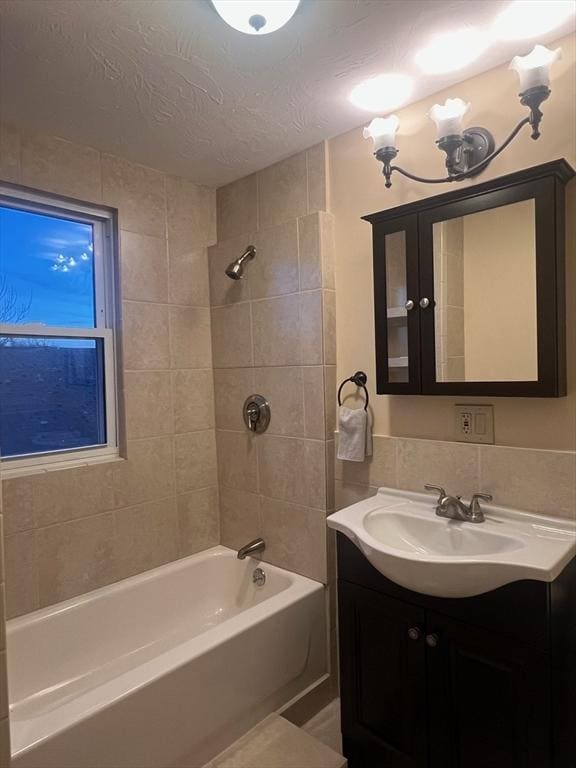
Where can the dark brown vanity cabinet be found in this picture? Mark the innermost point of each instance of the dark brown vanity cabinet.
(469, 289)
(483, 682)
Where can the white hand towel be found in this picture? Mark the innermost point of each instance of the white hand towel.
(355, 439)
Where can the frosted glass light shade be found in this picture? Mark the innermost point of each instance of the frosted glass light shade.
(534, 69)
(448, 117)
(256, 17)
(382, 131)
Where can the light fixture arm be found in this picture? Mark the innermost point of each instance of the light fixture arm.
(460, 149)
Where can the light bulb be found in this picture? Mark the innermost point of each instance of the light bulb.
(448, 117)
(452, 51)
(382, 131)
(534, 69)
(256, 17)
(382, 93)
(530, 18)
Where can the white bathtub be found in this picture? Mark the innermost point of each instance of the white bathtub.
(165, 668)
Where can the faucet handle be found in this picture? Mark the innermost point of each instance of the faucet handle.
(438, 489)
(475, 509)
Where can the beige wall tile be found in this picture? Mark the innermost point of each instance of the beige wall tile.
(231, 336)
(236, 205)
(2, 610)
(329, 326)
(288, 330)
(295, 538)
(317, 163)
(148, 404)
(313, 380)
(276, 331)
(377, 470)
(350, 493)
(195, 455)
(21, 574)
(292, 469)
(145, 336)
(147, 474)
(310, 253)
(139, 194)
(224, 290)
(145, 537)
(18, 505)
(193, 398)
(329, 462)
(274, 270)
(75, 557)
(190, 341)
(283, 191)
(188, 278)
(191, 215)
(328, 246)
(330, 399)
(144, 267)
(237, 461)
(239, 517)
(284, 390)
(536, 481)
(198, 520)
(9, 153)
(61, 167)
(65, 494)
(231, 388)
(451, 465)
(3, 685)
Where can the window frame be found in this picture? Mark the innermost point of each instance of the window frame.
(104, 227)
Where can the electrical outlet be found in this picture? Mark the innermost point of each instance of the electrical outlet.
(475, 423)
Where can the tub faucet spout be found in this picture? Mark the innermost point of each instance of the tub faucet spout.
(257, 545)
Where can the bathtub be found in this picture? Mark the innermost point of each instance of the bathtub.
(166, 668)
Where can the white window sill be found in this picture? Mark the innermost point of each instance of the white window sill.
(10, 468)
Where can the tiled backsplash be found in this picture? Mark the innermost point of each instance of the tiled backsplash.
(522, 478)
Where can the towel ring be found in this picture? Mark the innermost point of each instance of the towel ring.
(360, 380)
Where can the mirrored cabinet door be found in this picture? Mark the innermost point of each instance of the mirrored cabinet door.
(396, 278)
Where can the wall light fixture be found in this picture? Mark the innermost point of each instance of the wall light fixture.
(469, 150)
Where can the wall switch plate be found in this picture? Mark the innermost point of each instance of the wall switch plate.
(475, 423)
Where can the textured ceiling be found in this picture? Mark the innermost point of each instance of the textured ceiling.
(168, 84)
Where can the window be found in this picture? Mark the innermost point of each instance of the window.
(57, 357)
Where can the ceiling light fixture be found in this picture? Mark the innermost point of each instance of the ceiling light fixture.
(382, 93)
(256, 17)
(528, 18)
(469, 151)
(451, 51)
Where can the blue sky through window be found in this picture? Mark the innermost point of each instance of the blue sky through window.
(47, 265)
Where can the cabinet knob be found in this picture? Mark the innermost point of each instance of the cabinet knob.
(424, 302)
(414, 633)
(409, 305)
(432, 640)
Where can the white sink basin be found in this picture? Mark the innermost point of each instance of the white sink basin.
(400, 534)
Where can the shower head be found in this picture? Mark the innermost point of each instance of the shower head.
(235, 270)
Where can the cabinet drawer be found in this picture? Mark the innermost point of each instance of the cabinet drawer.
(519, 610)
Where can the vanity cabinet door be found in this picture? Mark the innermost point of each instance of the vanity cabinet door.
(396, 306)
(489, 699)
(383, 680)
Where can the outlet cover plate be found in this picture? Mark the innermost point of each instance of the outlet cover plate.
(474, 423)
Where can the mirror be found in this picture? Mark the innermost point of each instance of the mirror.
(485, 315)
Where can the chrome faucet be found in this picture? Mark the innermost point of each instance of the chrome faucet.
(454, 508)
(257, 545)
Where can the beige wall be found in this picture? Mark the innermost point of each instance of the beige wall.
(72, 530)
(357, 188)
(273, 334)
